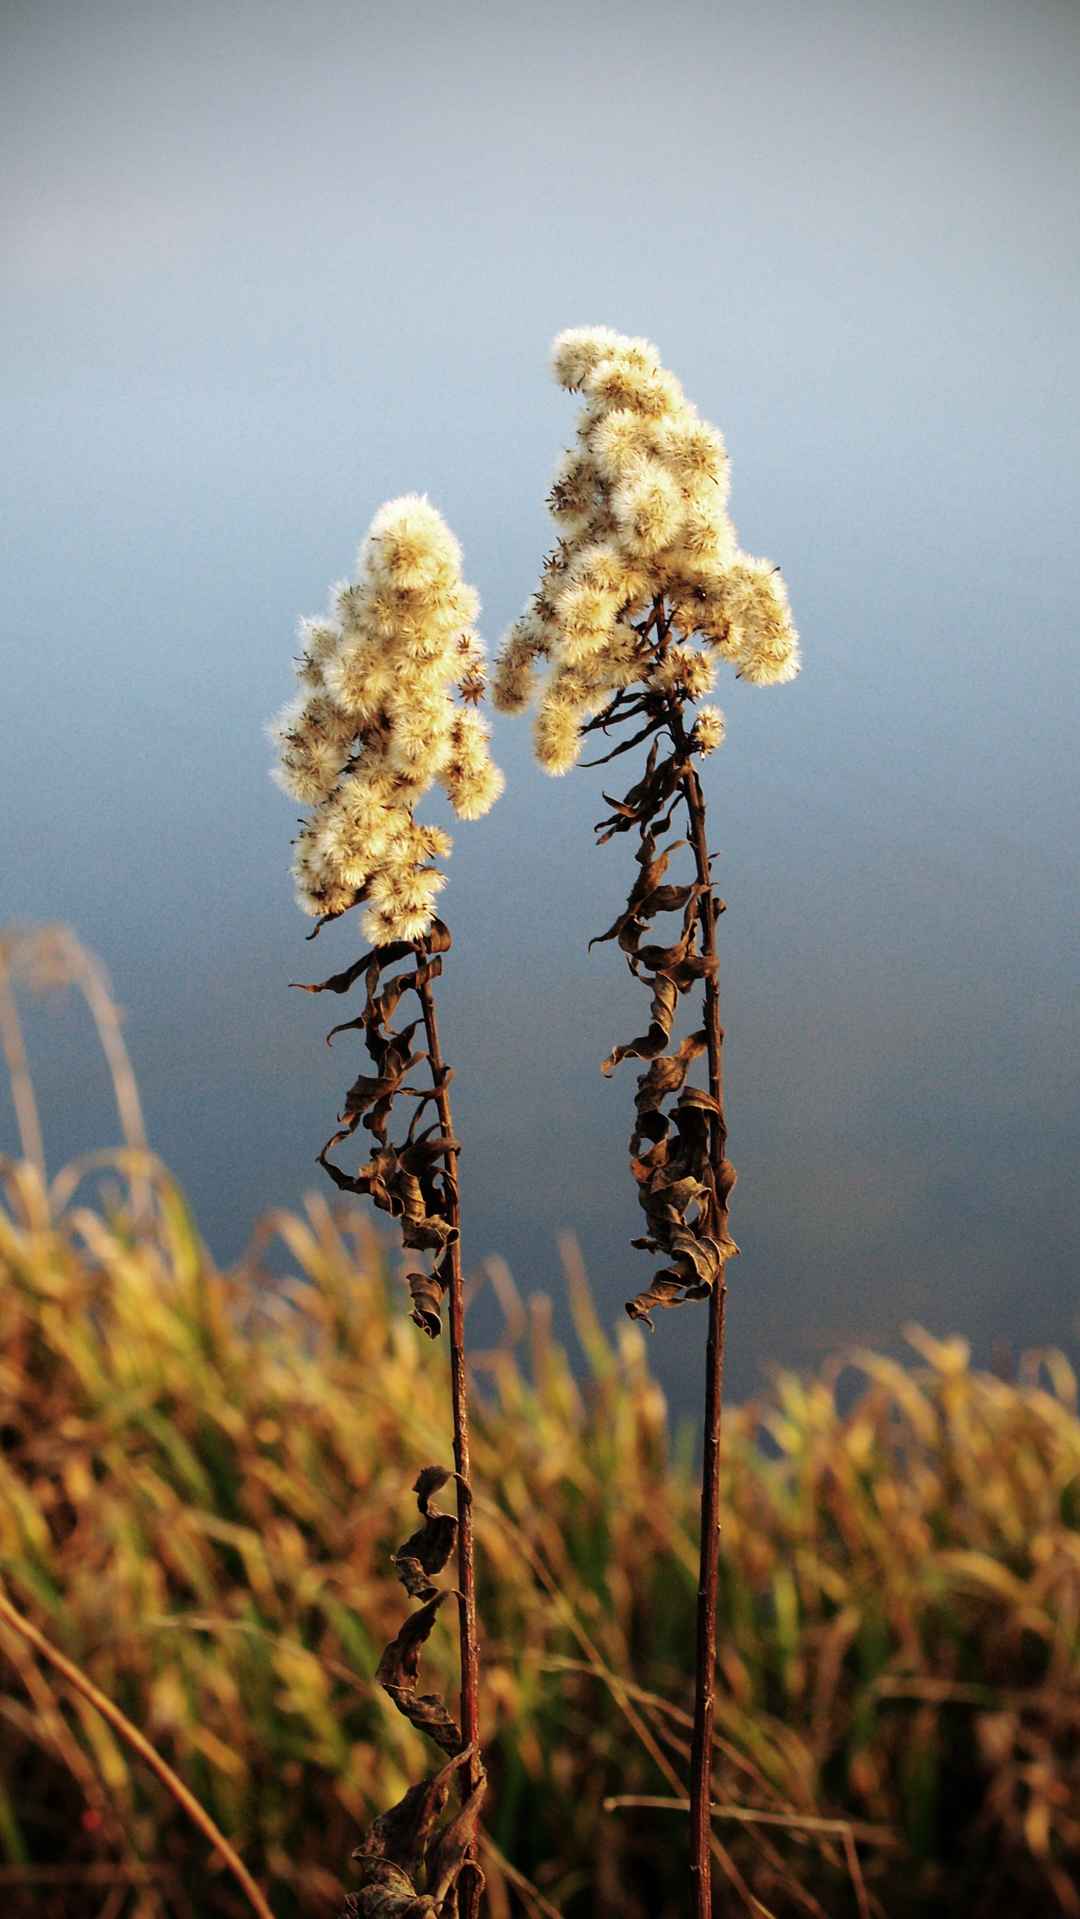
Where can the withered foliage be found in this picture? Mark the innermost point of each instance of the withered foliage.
(423, 1554)
(684, 1178)
(413, 1867)
(410, 1864)
(413, 1180)
(407, 1847)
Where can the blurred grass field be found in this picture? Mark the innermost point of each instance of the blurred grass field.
(203, 1475)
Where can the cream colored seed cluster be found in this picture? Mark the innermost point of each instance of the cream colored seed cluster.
(641, 507)
(375, 723)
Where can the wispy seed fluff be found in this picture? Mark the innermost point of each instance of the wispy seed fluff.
(376, 723)
(640, 507)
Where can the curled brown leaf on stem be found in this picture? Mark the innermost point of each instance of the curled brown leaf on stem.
(427, 1550)
(398, 1673)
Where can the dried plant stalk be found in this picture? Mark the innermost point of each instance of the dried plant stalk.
(416, 1182)
(680, 1162)
(374, 726)
(644, 595)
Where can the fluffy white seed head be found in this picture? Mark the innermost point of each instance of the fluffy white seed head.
(755, 628)
(557, 736)
(634, 381)
(409, 545)
(471, 781)
(378, 722)
(319, 641)
(694, 452)
(685, 669)
(577, 350)
(516, 677)
(640, 505)
(648, 509)
(473, 790)
(710, 728)
(360, 677)
(574, 491)
(620, 439)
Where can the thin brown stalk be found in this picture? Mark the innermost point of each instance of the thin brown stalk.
(684, 1176)
(85, 1687)
(416, 1181)
(708, 1575)
(471, 1883)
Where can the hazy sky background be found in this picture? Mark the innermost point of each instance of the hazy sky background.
(270, 265)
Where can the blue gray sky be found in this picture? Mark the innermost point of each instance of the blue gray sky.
(267, 266)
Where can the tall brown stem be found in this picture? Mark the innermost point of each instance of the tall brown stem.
(470, 1884)
(708, 1575)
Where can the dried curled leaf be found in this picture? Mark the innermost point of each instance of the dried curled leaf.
(426, 1293)
(423, 1554)
(407, 1845)
(398, 1672)
(379, 957)
(427, 1550)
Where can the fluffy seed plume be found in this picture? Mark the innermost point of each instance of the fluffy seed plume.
(709, 729)
(646, 582)
(376, 723)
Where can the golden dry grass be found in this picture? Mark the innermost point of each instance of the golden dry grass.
(203, 1475)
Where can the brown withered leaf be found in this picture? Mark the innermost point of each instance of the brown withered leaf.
(429, 1480)
(653, 867)
(438, 938)
(644, 800)
(426, 1293)
(379, 957)
(388, 1893)
(398, 1671)
(666, 1075)
(423, 1225)
(403, 1834)
(407, 1844)
(666, 1290)
(427, 1550)
(426, 1711)
(651, 1044)
(449, 1854)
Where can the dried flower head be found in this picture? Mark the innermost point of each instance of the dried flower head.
(640, 504)
(710, 727)
(376, 723)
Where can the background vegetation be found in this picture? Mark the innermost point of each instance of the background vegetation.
(203, 1475)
